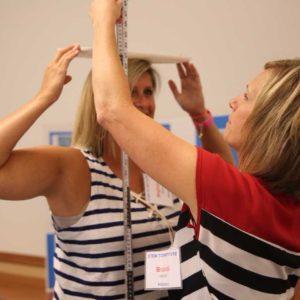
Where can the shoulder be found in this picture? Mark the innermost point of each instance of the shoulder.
(213, 170)
(73, 159)
(60, 160)
(72, 185)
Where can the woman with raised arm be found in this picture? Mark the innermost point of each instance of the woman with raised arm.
(239, 231)
(83, 185)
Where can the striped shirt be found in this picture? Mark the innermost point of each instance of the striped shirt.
(89, 256)
(246, 241)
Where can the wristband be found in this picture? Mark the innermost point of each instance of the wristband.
(200, 124)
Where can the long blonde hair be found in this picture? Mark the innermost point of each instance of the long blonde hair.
(271, 150)
(87, 133)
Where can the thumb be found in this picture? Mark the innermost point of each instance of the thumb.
(68, 78)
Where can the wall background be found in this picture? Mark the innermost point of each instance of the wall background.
(228, 40)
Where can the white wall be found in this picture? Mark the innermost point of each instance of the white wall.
(228, 40)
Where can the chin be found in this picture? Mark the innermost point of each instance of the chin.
(228, 139)
(225, 134)
(232, 143)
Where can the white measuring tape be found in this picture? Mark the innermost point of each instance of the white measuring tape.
(122, 47)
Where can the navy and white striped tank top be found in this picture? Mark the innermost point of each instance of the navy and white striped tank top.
(89, 255)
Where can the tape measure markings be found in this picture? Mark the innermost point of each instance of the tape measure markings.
(122, 48)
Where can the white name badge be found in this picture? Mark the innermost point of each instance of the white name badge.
(163, 270)
(156, 193)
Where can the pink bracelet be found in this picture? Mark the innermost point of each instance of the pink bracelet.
(200, 124)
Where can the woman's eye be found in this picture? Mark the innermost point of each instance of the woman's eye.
(246, 96)
(148, 92)
(133, 93)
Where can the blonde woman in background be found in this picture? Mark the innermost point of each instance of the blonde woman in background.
(83, 185)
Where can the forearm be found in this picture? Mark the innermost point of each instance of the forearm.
(14, 126)
(110, 85)
(211, 138)
(213, 141)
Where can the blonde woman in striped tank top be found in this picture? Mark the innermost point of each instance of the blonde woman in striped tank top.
(83, 183)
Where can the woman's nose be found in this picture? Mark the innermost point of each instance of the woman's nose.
(139, 100)
(233, 103)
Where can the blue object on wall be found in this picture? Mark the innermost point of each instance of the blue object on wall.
(220, 122)
(60, 138)
(50, 261)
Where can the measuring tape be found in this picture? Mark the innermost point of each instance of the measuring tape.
(122, 47)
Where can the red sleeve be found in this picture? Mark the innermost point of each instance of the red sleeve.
(243, 201)
(221, 188)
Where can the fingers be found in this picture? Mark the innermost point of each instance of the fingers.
(72, 49)
(56, 72)
(120, 19)
(68, 56)
(173, 88)
(120, 10)
(181, 71)
(193, 73)
(187, 70)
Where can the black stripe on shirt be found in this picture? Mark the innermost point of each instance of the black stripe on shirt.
(136, 264)
(114, 253)
(110, 175)
(189, 285)
(244, 277)
(189, 250)
(114, 297)
(92, 296)
(247, 242)
(113, 239)
(109, 224)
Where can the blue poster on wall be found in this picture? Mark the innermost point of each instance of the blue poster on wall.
(60, 138)
(220, 122)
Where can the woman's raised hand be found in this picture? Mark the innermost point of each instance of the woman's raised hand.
(56, 76)
(106, 9)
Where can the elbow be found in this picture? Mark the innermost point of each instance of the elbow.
(115, 116)
(102, 115)
(106, 113)
(111, 109)
(102, 120)
(102, 106)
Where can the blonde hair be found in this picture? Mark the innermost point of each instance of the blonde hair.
(271, 150)
(87, 133)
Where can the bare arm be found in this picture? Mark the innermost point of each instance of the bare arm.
(191, 100)
(166, 158)
(297, 291)
(28, 173)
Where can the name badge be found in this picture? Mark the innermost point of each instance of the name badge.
(156, 193)
(163, 270)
